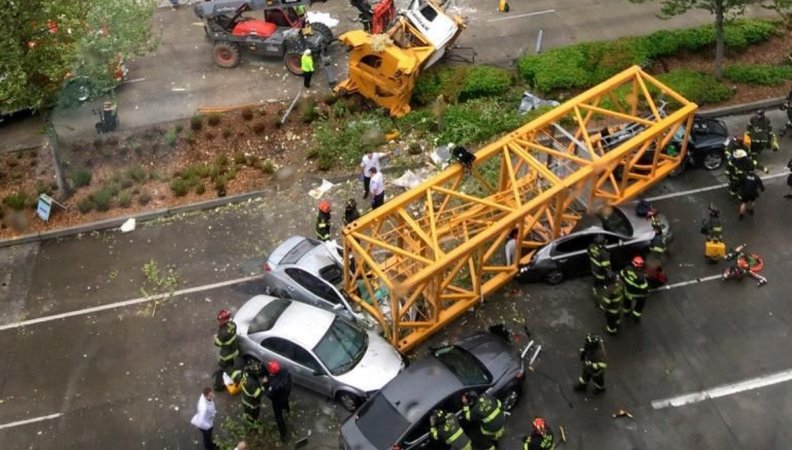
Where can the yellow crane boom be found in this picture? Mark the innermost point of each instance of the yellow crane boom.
(433, 252)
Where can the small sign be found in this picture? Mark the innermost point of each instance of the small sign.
(44, 207)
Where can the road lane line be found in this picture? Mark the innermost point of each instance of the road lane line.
(708, 188)
(537, 13)
(27, 421)
(121, 304)
(724, 390)
(689, 282)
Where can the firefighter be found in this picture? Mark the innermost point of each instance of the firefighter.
(750, 186)
(611, 300)
(759, 134)
(592, 355)
(541, 437)
(226, 339)
(323, 221)
(599, 258)
(712, 226)
(658, 246)
(636, 288)
(278, 384)
(251, 393)
(445, 428)
(787, 106)
(487, 412)
(351, 212)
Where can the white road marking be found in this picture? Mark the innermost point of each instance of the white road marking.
(122, 304)
(537, 13)
(136, 80)
(708, 188)
(724, 390)
(27, 421)
(686, 283)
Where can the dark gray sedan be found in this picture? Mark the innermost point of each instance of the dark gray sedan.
(399, 413)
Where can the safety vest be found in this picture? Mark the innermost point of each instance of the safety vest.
(635, 284)
(306, 63)
(300, 10)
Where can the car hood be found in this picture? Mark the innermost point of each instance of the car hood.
(379, 365)
(499, 357)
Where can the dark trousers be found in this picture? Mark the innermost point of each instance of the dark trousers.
(207, 439)
(250, 414)
(612, 321)
(628, 305)
(597, 378)
(640, 302)
(378, 200)
(366, 182)
(307, 79)
(278, 408)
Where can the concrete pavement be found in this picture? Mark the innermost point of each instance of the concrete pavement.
(123, 378)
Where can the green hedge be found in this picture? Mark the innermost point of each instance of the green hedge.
(461, 83)
(346, 141)
(485, 81)
(696, 86)
(479, 120)
(587, 64)
(763, 74)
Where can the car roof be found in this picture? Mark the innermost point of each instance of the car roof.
(299, 323)
(420, 388)
(309, 254)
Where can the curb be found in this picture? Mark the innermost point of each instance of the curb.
(743, 108)
(142, 217)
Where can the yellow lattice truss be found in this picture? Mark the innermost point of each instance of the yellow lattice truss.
(433, 252)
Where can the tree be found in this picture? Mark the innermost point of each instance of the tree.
(721, 9)
(47, 43)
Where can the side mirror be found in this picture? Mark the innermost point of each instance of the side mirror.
(338, 307)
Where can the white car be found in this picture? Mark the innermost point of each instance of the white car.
(323, 351)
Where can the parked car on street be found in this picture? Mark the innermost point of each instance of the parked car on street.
(706, 144)
(324, 352)
(399, 414)
(626, 235)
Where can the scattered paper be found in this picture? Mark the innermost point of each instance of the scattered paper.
(128, 226)
(408, 180)
(321, 190)
(322, 17)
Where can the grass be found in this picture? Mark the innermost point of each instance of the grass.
(80, 177)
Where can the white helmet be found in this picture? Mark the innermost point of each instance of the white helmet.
(740, 153)
(307, 51)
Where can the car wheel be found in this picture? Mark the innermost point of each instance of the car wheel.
(712, 160)
(555, 276)
(226, 55)
(511, 398)
(348, 400)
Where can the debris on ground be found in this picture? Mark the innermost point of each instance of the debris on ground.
(622, 413)
(531, 102)
(318, 192)
(128, 226)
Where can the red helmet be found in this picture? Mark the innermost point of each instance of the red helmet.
(273, 367)
(638, 262)
(324, 206)
(539, 425)
(223, 316)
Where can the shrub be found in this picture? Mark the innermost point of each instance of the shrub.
(266, 166)
(137, 173)
(171, 138)
(697, 87)
(239, 158)
(17, 201)
(220, 186)
(180, 187)
(179, 127)
(102, 198)
(209, 135)
(478, 120)
(446, 80)
(226, 133)
(762, 74)
(144, 198)
(80, 177)
(347, 141)
(126, 183)
(200, 189)
(221, 160)
(214, 119)
(259, 127)
(85, 205)
(309, 111)
(196, 122)
(247, 113)
(485, 81)
(124, 199)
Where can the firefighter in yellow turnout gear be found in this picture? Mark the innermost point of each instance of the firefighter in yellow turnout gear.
(636, 289)
(445, 428)
(487, 412)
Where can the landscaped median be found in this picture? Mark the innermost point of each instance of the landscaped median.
(225, 153)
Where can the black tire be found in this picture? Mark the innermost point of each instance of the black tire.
(324, 30)
(348, 400)
(226, 55)
(555, 276)
(511, 398)
(712, 160)
(292, 55)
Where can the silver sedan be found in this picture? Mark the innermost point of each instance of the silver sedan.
(323, 351)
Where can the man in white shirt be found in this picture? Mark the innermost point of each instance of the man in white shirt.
(377, 186)
(371, 159)
(511, 247)
(204, 418)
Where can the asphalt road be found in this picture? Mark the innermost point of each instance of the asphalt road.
(129, 377)
(180, 76)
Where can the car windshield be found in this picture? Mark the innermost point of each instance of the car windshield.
(298, 251)
(617, 223)
(373, 415)
(342, 347)
(465, 366)
(332, 274)
(268, 315)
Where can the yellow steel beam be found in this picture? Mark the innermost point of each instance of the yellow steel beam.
(550, 171)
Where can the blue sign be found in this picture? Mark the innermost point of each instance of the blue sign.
(44, 207)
